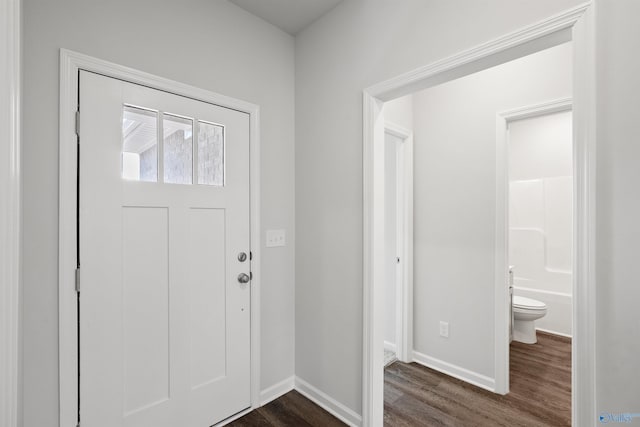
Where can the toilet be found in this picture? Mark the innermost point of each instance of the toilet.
(525, 312)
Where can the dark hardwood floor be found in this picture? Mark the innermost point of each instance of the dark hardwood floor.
(292, 409)
(540, 392)
(417, 396)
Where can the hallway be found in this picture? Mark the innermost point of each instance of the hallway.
(417, 396)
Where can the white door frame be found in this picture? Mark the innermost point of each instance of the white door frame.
(70, 65)
(576, 24)
(501, 292)
(404, 234)
(10, 213)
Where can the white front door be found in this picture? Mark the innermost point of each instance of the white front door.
(163, 223)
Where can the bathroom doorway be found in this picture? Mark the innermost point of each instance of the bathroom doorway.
(535, 237)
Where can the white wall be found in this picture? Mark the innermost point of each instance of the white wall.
(208, 44)
(357, 44)
(455, 202)
(541, 214)
(618, 206)
(399, 112)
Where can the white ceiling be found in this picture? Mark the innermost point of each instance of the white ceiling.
(291, 16)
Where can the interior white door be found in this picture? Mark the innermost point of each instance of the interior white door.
(391, 237)
(164, 217)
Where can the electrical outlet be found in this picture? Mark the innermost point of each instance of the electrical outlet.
(444, 329)
(276, 238)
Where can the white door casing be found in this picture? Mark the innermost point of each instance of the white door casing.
(164, 322)
(10, 213)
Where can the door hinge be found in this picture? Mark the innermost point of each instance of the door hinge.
(78, 123)
(78, 279)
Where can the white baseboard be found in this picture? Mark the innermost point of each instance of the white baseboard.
(277, 390)
(390, 346)
(554, 332)
(463, 374)
(328, 403)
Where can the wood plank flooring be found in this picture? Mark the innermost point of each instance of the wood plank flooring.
(417, 396)
(540, 392)
(292, 409)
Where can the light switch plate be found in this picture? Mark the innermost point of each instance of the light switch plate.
(444, 329)
(276, 238)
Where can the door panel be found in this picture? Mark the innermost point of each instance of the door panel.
(164, 211)
(206, 303)
(145, 283)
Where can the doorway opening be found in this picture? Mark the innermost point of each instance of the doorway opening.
(548, 34)
(535, 240)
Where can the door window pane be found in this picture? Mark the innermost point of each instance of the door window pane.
(178, 149)
(210, 154)
(140, 144)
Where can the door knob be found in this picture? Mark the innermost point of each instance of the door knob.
(243, 278)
